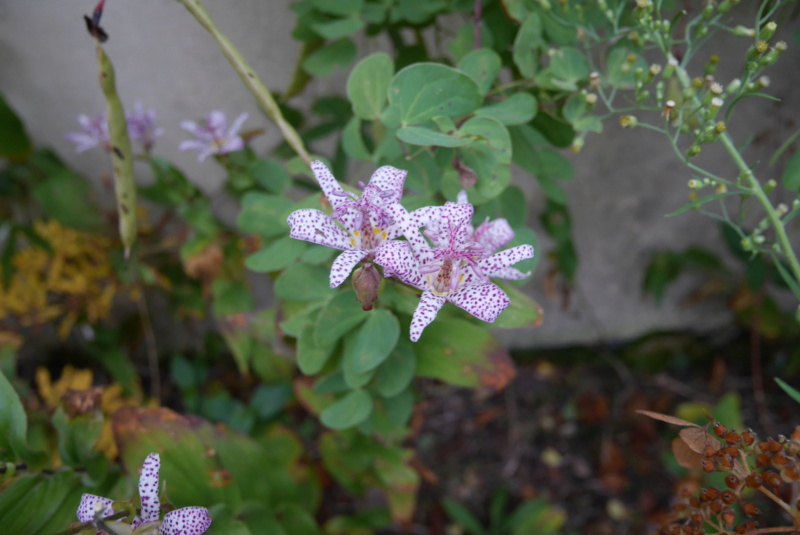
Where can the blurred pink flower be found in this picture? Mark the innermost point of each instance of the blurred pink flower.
(213, 135)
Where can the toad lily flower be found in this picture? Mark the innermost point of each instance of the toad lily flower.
(142, 126)
(456, 269)
(214, 136)
(366, 220)
(95, 133)
(184, 521)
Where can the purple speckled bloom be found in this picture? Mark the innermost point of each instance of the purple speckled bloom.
(213, 135)
(184, 521)
(456, 269)
(142, 126)
(366, 220)
(94, 134)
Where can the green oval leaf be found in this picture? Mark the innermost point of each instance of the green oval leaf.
(349, 411)
(352, 142)
(397, 371)
(419, 135)
(337, 29)
(517, 109)
(569, 64)
(322, 62)
(311, 356)
(264, 214)
(374, 341)
(14, 141)
(367, 85)
(340, 315)
(481, 65)
(276, 256)
(422, 91)
(527, 45)
(303, 283)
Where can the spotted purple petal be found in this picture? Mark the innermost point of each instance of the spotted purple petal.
(86, 507)
(493, 234)
(344, 264)
(429, 305)
(398, 260)
(391, 180)
(148, 488)
(510, 273)
(316, 227)
(330, 187)
(506, 258)
(485, 301)
(186, 521)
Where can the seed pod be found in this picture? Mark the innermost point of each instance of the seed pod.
(790, 474)
(732, 482)
(762, 447)
(698, 518)
(733, 451)
(709, 494)
(779, 460)
(732, 437)
(121, 153)
(763, 460)
(773, 480)
(753, 481)
(366, 284)
(750, 509)
(728, 497)
(716, 506)
(679, 507)
(774, 446)
(726, 461)
(707, 465)
(740, 529)
(728, 516)
(694, 502)
(748, 438)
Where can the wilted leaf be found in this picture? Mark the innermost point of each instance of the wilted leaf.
(698, 439)
(685, 456)
(667, 418)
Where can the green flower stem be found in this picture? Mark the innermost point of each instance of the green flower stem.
(121, 153)
(755, 188)
(250, 79)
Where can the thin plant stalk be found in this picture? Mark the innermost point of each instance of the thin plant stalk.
(250, 79)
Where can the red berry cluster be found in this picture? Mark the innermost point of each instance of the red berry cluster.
(764, 466)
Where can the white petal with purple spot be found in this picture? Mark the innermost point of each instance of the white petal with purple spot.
(148, 488)
(186, 521)
(316, 227)
(344, 264)
(429, 305)
(86, 507)
(485, 301)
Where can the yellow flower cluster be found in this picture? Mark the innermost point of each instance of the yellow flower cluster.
(75, 280)
(74, 388)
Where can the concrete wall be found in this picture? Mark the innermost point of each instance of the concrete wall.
(626, 180)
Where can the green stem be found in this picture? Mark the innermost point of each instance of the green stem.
(250, 79)
(755, 187)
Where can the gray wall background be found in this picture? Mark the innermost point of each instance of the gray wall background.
(626, 180)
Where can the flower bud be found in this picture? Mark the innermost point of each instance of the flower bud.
(767, 31)
(366, 284)
(628, 121)
(693, 151)
(770, 185)
(577, 145)
(757, 50)
(734, 86)
(711, 67)
(591, 101)
(695, 184)
(743, 31)
(708, 11)
(713, 107)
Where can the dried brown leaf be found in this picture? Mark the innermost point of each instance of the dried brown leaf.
(667, 418)
(697, 438)
(685, 456)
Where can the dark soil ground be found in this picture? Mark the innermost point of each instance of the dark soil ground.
(567, 430)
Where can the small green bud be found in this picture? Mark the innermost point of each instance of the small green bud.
(695, 184)
(641, 96)
(747, 244)
(742, 31)
(697, 83)
(719, 128)
(770, 185)
(660, 91)
(669, 70)
(628, 121)
(721, 188)
(782, 209)
(772, 56)
(734, 86)
(759, 239)
(591, 101)
(726, 5)
(693, 151)
(577, 145)
(757, 50)
(713, 107)
(701, 30)
(711, 66)
(767, 31)
(366, 284)
(708, 11)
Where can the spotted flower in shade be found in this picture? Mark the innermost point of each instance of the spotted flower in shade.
(184, 521)
(213, 135)
(95, 133)
(456, 269)
(366, 220)
(142, 126)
